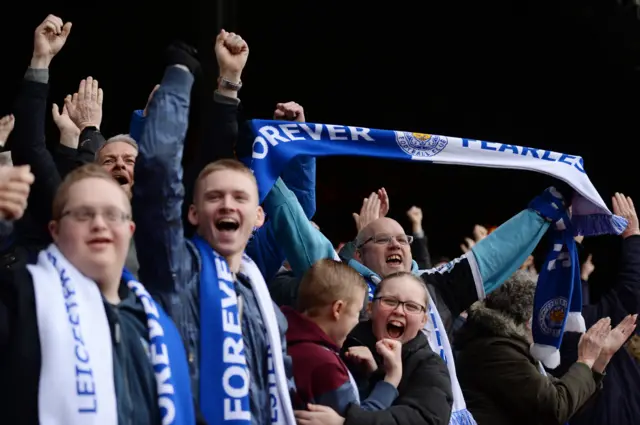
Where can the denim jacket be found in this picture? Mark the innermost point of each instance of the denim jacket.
(169, 263)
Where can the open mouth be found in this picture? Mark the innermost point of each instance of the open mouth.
(394, 260)
(395, 329)
(121, 179)
(227, 225)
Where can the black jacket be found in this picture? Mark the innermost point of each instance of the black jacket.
(425, 396)
(20, 355)
(619, 402)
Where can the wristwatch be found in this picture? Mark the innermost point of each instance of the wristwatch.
(226, 84)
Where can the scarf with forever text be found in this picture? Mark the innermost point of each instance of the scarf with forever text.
(76, 377)
(224, 376)
(278, 142)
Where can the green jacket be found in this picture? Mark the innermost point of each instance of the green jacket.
(503, 384)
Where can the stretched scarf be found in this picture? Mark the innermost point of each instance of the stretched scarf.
(76, 377)
(557, 304)
(224, 376)
(278, 142)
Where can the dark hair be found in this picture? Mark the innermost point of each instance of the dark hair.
(410, 275)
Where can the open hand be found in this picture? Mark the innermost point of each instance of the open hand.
(318, 415)
(592, 342)
(623, 206)
(85, 107)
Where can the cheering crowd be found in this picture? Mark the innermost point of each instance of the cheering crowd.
(133, 291)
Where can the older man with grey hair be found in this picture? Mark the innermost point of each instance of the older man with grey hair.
(118, 156)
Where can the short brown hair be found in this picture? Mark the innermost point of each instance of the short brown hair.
(326, 282)
(220, 165)
(398, 275)
(87, 171)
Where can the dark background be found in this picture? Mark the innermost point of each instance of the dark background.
(553, 75)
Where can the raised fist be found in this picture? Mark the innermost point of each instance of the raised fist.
(15, 184)
(6, 127)
(415, 215)
(289, 111)
(50, 36)
(232, 53)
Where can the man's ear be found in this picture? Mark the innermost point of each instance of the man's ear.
(192, 215)
(259, 217)
(53, 229)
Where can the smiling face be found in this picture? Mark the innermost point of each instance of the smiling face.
(93, 227)
(384, 248)
(119, 160)
(225, 210)
(399, 308)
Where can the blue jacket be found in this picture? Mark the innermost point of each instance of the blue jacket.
(170, 263)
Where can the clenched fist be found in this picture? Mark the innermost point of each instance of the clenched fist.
(232, 53)
(48, 39)
(6, 127)
(15, 184)
(290, 111)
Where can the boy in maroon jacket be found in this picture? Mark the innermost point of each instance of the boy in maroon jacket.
(330, 298)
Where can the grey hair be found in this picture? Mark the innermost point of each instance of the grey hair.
(124, 138)
(515, 297)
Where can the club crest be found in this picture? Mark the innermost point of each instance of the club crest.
(420, 144)
(551, 316)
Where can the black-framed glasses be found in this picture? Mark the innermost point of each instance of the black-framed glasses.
(87, 214)
(384, 239)
(409, 306)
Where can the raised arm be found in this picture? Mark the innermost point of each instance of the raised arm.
(28, 145)
(624, 297)
(158, 192)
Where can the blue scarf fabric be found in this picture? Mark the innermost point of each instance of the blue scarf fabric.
(169, 360)
(558, 298)
(224, 376)
(276, 143)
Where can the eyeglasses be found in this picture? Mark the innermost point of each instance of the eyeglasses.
(87, 214)
(393, 303)
(383, 239)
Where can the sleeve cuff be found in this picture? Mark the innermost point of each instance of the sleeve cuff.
(37, 75)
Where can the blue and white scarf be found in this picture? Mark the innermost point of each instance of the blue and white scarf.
(557, 304)
(224, 376)
(276, 143)
(76, 376)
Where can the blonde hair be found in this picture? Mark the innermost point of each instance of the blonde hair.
(221, 165)
(328, 281)
(87, 171)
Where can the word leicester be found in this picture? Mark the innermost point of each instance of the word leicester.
(574, 161)
(236, 407)
(290, 132)
(85, 382)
